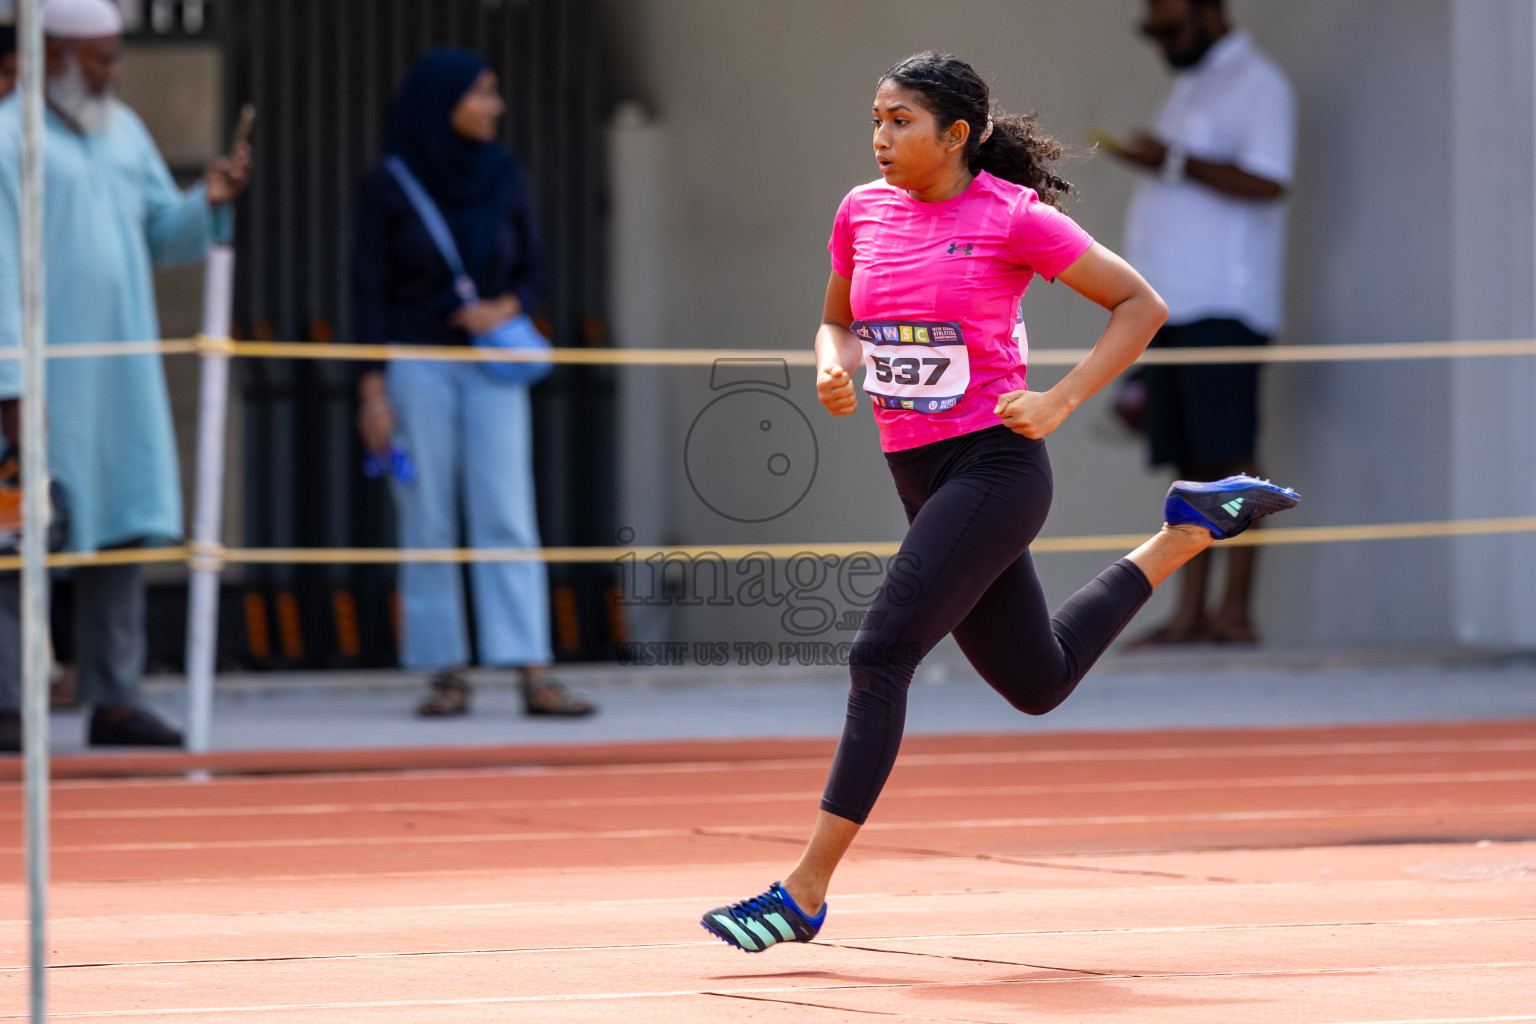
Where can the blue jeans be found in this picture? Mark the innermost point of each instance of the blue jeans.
(471, 441)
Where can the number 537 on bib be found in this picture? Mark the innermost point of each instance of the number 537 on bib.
(913, 366)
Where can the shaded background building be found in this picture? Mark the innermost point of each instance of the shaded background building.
(321, 75)
(688, 156)
(1412, 220)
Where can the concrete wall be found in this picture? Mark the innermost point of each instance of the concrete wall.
(1494, 242)
(1370, 262)
(760, 117)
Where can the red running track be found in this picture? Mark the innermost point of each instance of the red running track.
(1315, 876)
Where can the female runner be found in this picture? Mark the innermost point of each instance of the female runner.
(928, 267)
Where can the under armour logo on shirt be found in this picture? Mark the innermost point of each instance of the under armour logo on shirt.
(963, 248)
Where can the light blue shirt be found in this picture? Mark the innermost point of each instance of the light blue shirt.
(113, 214)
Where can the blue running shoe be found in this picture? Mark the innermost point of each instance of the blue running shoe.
(762, 921)
(1226, 507)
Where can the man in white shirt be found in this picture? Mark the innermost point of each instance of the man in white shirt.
(1206, 227)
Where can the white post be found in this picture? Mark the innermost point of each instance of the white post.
(1492, 425)
(637, 289)
(212, 410)
(35, 504)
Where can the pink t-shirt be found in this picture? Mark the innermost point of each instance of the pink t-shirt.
(919, 271)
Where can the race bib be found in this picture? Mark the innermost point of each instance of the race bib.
(918, 367)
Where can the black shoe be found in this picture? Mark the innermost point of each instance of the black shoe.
(10, 732)
(130, 727)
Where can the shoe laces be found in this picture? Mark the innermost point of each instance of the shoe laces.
(1269, 482)
(756, 905)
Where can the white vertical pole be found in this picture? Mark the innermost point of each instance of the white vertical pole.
(1529, 498)
(212, 411)
(35, 504)
(637, 289)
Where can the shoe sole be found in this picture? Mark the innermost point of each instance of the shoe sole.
(728, 942)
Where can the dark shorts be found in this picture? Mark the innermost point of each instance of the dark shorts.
(1203, 415)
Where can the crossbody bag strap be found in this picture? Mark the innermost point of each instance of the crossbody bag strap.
(437, 227)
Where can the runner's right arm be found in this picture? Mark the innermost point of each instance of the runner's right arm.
(838, 352)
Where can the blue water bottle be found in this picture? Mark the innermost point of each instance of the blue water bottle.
(396, 462)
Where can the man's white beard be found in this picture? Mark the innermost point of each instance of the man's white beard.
(72, 95)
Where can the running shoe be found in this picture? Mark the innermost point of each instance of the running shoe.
(1226, 507)
(762, 921)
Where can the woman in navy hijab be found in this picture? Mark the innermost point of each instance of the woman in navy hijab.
(458, 439)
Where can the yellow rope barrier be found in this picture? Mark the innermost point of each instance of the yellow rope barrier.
(794, 357)
(115, 348)
(386, 556)
(214, 556)
(807, 358)
(1393, 351)
(475, 354)
(82, 559)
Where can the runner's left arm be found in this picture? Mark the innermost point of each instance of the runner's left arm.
(1136, 312)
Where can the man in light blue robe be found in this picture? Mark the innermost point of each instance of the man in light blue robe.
(113, 213)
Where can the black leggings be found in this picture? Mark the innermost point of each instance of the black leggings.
(975, 503)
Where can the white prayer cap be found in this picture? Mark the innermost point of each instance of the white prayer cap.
(81, 19)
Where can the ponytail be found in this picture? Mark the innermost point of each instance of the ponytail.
(1017, 151)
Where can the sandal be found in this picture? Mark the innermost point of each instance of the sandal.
(448, 696)
(1174, 636)
(545, 695)
(1234, 636)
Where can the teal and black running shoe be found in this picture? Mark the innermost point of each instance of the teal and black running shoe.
(1226, 507)
(762, 921)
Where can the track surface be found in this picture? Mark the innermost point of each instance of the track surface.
(1321, 875)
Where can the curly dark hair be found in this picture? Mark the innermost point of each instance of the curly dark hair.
(1016, 151)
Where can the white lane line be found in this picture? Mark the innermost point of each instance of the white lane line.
(894, 793)
(1472, 746)
(1443, 1020)
(1216, 816)
(750, 831)
(1062, 860)
(1066, 861)
(594, 997)
(1191, 929)
(837, 941)
(1122, 892)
